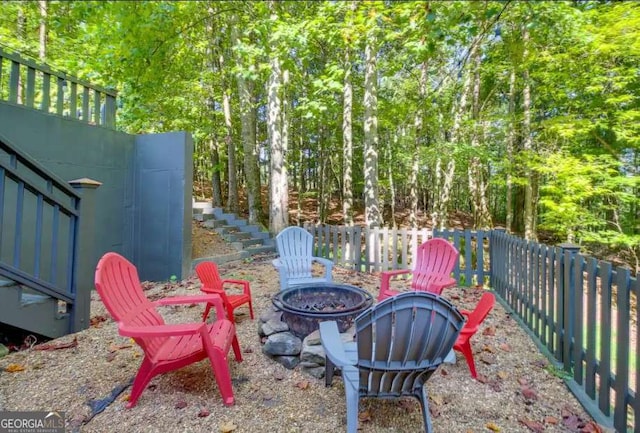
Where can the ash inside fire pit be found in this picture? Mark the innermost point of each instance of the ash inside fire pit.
(305, 306)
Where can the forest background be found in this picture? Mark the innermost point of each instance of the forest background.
(518, 114)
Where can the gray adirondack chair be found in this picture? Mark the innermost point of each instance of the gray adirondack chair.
(399, 343)
(295, 261)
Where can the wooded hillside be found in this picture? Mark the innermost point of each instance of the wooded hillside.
(523, 114)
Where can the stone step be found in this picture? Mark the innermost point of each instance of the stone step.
(203, 217)
(244, 243)
(214, 224)
(264, 249)
(224, 230)
(236, 236)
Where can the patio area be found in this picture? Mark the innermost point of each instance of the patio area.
(518, 390)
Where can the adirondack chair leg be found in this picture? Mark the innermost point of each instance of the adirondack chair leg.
(468, 355)
(328, 372)
(236, 349)
(352, 407)
(251, 309)
(144, 375)
(424, 403)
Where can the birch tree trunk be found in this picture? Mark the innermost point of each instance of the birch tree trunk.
(415, 154)
(373, 215)
(475, 171)
(511, 142)
(42, 49)
(216, 199)
(278, 187)
(232, 179)
(247, 118)
(527, 144)
(347, 142)
(439, 218)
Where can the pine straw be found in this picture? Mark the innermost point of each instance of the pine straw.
(270, 398)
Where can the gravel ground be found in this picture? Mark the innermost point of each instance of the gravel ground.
(518, 390)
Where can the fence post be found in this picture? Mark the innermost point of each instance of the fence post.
(567, 286)
(493, 260)
(85, 253)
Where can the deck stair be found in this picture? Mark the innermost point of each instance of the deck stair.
(247, 239)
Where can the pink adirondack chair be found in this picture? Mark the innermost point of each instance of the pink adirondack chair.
(213, 283)
(474, 320)
(434, 262)
(166, 347)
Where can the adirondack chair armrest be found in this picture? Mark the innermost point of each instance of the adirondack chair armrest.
(328, 265)
(160, 330)
(469, 330)
(212, 299)
(235, 283)
(387, 275)
(333, 345)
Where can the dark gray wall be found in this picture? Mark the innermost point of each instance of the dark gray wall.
(141, 207)
(163, 188)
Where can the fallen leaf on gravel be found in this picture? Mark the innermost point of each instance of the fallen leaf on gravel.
(96, 321)
(488, 358)
(14, 368)
(303, 384)
(482, 378)
(181, 404)
(505, 347)
(591, 427)
(57, 346)
(528, 393)
(503, 374)
(364, 416)
(228, 427)
(437, 399)
(111, 356)
(551, 420)
(523, 381)
(203, 413)
(491, 426)
(534, 426)
(444, 372)
(115, 347)
(489, 331)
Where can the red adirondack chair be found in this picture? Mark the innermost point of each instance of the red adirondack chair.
(166, 347)
(434, 262)
(474, 319)
(212, 283)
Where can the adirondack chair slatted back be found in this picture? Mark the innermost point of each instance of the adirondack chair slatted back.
(119, 288)
(295, 249)
(403, 340)
(210, 276)
(434, 258)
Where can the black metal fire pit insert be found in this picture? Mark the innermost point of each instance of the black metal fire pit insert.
(305, 306)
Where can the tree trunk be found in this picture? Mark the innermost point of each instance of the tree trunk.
(42, 49)
(527, 145)
(278, 187)
(415, 154)
(475, 171)
(247, 118)
(511, 142)
(373, 215)
(347, 143)
(216, 185)
(232, 179)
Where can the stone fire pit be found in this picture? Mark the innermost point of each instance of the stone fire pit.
(289, 330)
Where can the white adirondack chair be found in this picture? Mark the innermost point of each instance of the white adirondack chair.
(296, 259)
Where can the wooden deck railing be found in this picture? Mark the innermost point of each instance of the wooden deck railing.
(581, 312)
(24, 82)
